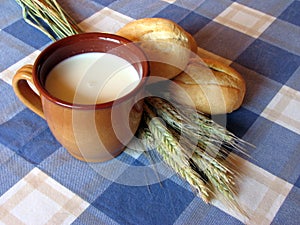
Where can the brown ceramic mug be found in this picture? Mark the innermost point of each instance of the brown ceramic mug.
(90, 132)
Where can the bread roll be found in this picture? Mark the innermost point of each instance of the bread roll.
(212, 87)
(167, 45)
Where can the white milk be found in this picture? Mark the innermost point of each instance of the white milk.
(91, 78)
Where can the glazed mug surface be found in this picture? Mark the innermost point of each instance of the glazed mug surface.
(90, 132)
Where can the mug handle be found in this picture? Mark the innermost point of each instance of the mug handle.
(24, 91)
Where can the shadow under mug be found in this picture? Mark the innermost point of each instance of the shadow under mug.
(89, 132)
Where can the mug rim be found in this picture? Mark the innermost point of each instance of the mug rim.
(85, 37)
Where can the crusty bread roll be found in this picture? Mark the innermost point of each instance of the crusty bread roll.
(167, 45)
(213, 88)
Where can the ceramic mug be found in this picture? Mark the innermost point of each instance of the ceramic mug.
(90, 132)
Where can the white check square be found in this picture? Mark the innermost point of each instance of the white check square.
(284, 109)
(38, 199)
(106, 20)
(244, 19)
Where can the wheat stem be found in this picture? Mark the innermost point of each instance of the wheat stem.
(58, 21)
(211, 136)
(203, 155)
(173, 154)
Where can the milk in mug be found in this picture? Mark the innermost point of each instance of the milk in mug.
(91, 78)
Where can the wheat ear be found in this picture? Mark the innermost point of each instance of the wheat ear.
(172, 154)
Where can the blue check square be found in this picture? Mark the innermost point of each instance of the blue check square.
(222, 40)
(277, 151)
(21, 129)
(240, 121)
(80, 10)
(173, 12)
(292, 13)
(12, 50)
(193, 22)
(270, 61)
(104, 2)
(152, 204)
(30, 35)
(212, 8)
(10, 12)
(28, 136)
(13, 168)
(137, 9)
(289, 211)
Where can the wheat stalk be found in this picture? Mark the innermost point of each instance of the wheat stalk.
(49, 12)
(218, 176)
(211, 136)
(173, 154)
(221, 174)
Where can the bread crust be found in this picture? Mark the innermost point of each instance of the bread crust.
(213, 87)
(167, 45)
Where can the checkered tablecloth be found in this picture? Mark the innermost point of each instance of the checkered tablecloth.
(40, 183)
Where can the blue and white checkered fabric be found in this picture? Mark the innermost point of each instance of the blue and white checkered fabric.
(41, 183)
